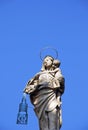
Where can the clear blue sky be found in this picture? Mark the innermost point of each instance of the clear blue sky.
(26, 26)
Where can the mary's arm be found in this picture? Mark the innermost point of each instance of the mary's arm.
(31, 85)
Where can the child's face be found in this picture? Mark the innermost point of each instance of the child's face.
(56, 63)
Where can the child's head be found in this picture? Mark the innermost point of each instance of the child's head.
(56, 63)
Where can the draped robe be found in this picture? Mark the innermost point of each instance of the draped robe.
(44, 99)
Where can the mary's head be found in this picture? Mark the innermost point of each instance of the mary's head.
(47, 63)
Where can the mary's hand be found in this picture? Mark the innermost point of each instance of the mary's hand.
(29, 89)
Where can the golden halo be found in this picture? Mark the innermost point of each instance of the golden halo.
(48, 48)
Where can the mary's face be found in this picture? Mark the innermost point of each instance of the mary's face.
(48, 62)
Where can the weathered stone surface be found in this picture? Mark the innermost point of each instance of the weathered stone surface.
(45, 90)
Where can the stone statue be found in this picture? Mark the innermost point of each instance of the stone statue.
(45, 90)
